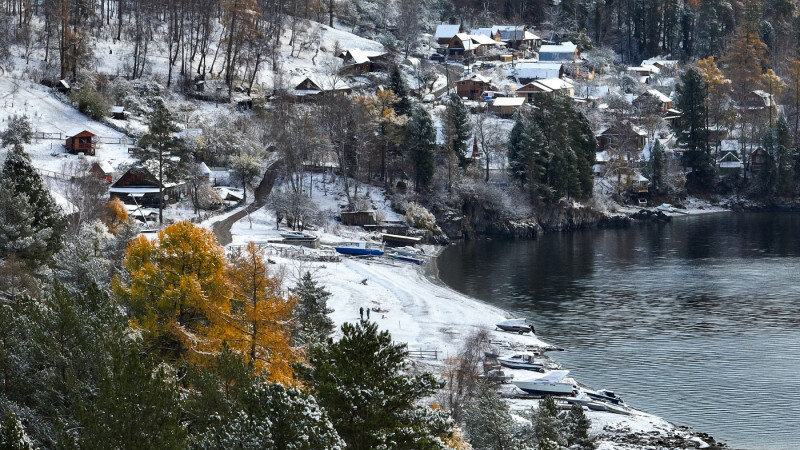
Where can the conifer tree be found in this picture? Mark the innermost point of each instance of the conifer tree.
(546, 425)
(41, 216)
(17, 134)
(693, 136)
(402, 106)
(457, 128)
(421, 143)
(768, 173)
(657, 169)
(312, 323)
(12, 435)
(576, 429)
(362, 381)
(784, 160)
(488, 422)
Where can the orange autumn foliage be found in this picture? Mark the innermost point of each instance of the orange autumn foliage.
(257, 324)
(115, 215)
(178, 283)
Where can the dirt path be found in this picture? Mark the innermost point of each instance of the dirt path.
(222, 229)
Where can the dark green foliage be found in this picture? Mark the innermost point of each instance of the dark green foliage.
(90, 102)
(32, 226)
(783, 158)
(12, 435)
(576, 429)
(17, 134)
(693, 132)
(657, 169)
(402, 107)
(546, 425)
(488, 422)
(421, 144)
(361, 381)
(457, 128)
(312, 323)
(552, 149)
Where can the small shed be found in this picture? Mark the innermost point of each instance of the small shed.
(360, 218)
(506, 106)
(119, 113)
(81, 142)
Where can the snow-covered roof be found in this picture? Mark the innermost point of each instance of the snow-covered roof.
(488, 32)
(77, 131)
(660, 62)
(117, 110)
(477, 77)
(483, 40)
(204, 169)
(658, 95)
(446, 31)
(134, 190)
(358, 56)
(554, 84)
(649, 68)
(534, 70)
(510, 32)
(564, 51)
(105, 166)
(509, 101)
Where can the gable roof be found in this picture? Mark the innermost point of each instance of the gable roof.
(476, 77)
(658, 95)
(488, 32)
(561, 52)
(446, 31)
(509, 101)
(534, 70)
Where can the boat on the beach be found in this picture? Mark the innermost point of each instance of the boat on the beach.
(516, 326)
(360, 249)
(605, 396)
(497, 376)
(524, 361)
(551, 383)
(584, 399)
(296, 235)
(405, 256)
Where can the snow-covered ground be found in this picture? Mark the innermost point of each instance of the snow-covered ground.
(47, 114)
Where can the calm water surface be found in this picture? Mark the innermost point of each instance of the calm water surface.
(697, 320)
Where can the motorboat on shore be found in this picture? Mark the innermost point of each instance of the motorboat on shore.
(360, 249)
(516, 326)
(524, 361)
(551, 383)
(604, 395)
(584, 399)
(296, 235)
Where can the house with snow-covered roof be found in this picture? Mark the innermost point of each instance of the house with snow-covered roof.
(563, 52)
(529, 71)
(445, 32)
(356, 61)
(516, 36)
(546, 86)
(506, 106)
(139, 186)
(652, 95)
(473, 86)
(470, 45)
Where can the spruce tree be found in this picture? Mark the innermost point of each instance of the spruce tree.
(488, 422)
(362, 381)
(44, 220)
(12, 435)
(161, 146)
(693, 132)
(783, 158)
(312, 323)
(576, 429)
(657, 169)
(457, 128)
(546, 425)
(402, 106)
(17, 134)
(421, 143)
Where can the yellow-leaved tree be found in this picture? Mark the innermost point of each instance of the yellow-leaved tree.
(115, 215)
(257, 325)
(178, 284)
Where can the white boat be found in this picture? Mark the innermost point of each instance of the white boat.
(516, 325)
(525, 361)
(551, 383)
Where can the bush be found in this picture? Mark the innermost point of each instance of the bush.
(418, 216)
(90, 102)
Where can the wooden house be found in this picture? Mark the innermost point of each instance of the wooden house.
(359, 218)
(546, 86)
(506, 106)
(473, 86)
(357, 61)
(445, 32)
(563, 52)
(622, 136)
(467, 45)
(119, 113)
(140, 187)
(529, 71)
(81, 142)
(758, 100)
(516, 36)
(102, 170)
(662, 100)
(309, 88)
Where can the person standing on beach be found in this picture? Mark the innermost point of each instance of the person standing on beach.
(361, 312)
(367, 313)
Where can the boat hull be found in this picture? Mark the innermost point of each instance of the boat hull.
(410, 259)
(520, 365)
(359, 251)
(543, 388)
(515, 328)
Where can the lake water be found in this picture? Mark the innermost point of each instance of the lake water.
(697, 320)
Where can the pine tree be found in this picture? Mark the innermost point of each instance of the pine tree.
(421, 143)
(693, 136)
(44, 221)
(657, 169)
(784, 159)
(12, 435)
(362, 381)
(488, 422)
(457, 128)
(768, 173)
(17, 134)
(546, 425)
(576, 429)
(398, 86)
(160, 146)
(82, 262)
(312, 325)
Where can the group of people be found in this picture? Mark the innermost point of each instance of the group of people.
(361, 313)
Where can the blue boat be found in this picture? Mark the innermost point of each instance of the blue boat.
(406, 257)
(360, 249)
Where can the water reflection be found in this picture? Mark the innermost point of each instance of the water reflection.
(695, 320)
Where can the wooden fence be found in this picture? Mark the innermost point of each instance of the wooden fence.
(298, 253)
(424, 354)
